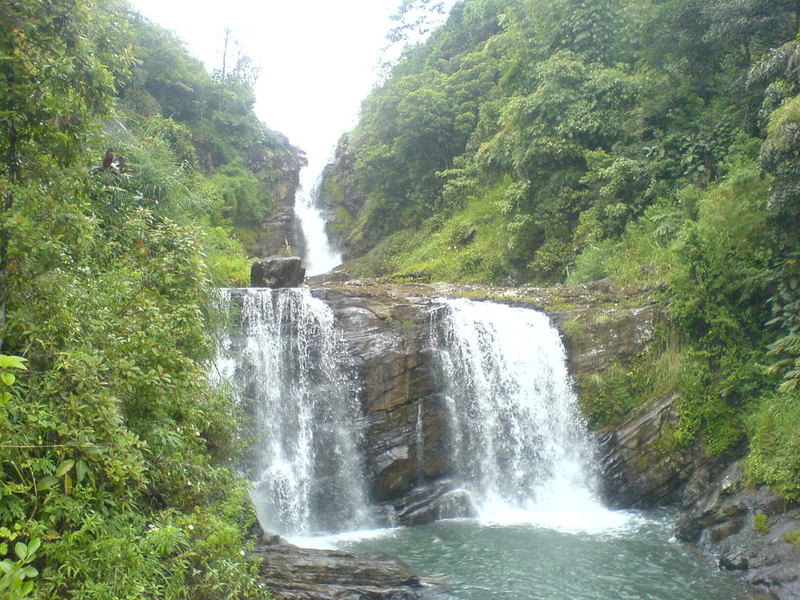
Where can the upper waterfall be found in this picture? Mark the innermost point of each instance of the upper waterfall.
(318, 254)
(285, 362)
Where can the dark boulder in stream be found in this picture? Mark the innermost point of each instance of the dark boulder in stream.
(277, 272)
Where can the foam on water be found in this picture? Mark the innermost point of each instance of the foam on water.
(333, 541)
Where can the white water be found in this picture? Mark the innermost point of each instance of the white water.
(518, 441)
(318, 255)
(285, 361)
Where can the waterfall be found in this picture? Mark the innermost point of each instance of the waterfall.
(319, 256)
(285, 363)
(518, 442)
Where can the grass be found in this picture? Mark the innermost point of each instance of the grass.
(469, 247)
(761, 523)
(620, 391)
(573, 331)
(793, 537)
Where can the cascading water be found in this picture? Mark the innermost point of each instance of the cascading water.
(318, 256)
(285, 362)
(518, 441)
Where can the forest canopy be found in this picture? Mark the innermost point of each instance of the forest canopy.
(132, 184)
(653, 143)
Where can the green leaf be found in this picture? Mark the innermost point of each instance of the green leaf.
(34, 545)
(45, 483)
(8, 378)
(12, 362)
(64, 467)
(30, 572)
(21, 550)
(27, 588)
(91, 450)
(81, 469)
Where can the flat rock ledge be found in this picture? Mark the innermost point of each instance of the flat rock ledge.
(294, 573)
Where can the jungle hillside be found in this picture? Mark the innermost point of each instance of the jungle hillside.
(133, 183)
(653, 144)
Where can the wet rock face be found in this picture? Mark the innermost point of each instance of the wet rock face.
(406, 439)
(639, 469)
(432, 502)
(342, 201)
(277, 272)
(293, 573)
(719, 513)
(744, 530)
(281, 227)
(405, 427)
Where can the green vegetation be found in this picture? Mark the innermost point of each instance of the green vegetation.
(793, 537)
(116, 453)
(573, 330)
(652, 143)
(761, 523)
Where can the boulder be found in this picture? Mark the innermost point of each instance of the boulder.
(432, 502)
(293, 573)
(277, 272)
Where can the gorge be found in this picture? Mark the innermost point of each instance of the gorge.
(407, 405)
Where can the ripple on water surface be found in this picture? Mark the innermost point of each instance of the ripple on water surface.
(476, 561)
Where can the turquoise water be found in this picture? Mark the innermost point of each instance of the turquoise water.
(475, 561)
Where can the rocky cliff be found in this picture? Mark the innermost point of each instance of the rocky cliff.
(747, 530)
(342, 201)
(280, 232)
(387, 328)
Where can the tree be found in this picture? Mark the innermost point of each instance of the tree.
(749, 24)
(589, 28)
(58, 61)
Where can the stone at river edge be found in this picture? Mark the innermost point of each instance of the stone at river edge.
(745, 528)
(293, 573)
(277, 272)
(719, 512)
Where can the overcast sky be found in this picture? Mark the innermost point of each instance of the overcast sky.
(317, 57)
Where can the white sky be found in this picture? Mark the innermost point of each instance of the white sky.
(318, 58)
